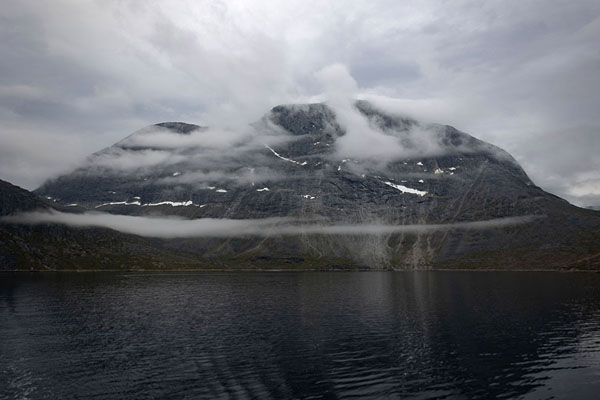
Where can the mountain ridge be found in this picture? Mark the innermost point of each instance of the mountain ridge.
(289, 166)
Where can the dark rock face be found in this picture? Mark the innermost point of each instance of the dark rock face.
(14, 199)
(179, 127)
(290, 167)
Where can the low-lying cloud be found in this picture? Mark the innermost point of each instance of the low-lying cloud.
(122, 160)
(360, 140)
(365, 137)
(168, 228)
(201, 157)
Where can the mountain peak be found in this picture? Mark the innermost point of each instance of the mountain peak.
(179, 127)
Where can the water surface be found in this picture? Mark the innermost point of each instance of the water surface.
(421, 335)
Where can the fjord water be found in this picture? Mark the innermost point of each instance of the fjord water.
(422, 335)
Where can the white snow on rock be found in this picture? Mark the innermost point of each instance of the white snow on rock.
(176, 173)
(137, 203)
(438, 171)
(405, 189)
(170, 203)
(420, 163)
(120, 203)
(137, 197)
(421, 181)
(265, 189)
(285, 158)
(72, 205)
(308, 196)
(221, 191)
(452, 168)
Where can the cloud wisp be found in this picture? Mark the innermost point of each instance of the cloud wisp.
(361, 140)
(168, 228)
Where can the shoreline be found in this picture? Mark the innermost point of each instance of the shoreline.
(255, 270)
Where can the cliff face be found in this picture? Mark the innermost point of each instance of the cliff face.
(290, 165)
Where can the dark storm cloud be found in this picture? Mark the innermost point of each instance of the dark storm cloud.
(79, 76)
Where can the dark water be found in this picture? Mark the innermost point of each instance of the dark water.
(436, 335)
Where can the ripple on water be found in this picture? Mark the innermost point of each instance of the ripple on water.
(300, 335)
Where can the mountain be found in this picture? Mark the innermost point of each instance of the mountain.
(438, 181)
(55, 247)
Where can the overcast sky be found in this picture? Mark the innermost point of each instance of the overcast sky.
(77, 76)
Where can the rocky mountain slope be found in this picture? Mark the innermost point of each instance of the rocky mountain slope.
(58, 247)
(290, 164)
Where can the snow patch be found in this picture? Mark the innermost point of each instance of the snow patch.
(308, 196)
(221, 191)
(421, 181)
(170, 203)
(72, 205)
(405, 189)
(265, 189)
(137, 203)
(285, 158)
(176, 173)
(120, 203)
(420, 163)
(438, 171)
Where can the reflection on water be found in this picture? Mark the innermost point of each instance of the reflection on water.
(422, 335)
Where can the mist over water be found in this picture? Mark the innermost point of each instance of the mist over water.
(426, 335)
(170, 227)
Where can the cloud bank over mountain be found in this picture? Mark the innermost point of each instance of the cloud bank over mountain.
(76, 77)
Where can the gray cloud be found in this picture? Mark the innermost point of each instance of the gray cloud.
(209, 227)
(361, 140)
(201, 157)
(78, 76)
(123, 160)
